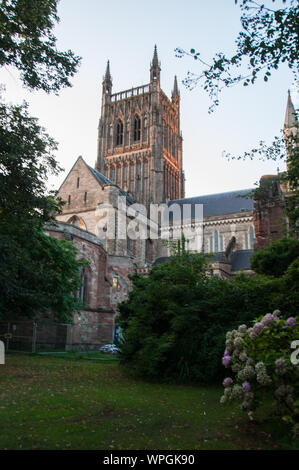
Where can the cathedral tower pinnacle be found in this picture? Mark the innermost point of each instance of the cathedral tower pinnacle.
(290, 126)
(175, 97)
(155, 67)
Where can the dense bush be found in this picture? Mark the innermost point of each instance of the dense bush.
(174, 321)
(263, 366)
(275, 259)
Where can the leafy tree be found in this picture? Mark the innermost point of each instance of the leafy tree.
(27, 42)
(38, 273)
(269, 37)
(275, 259)
(26, 160)
(182, 335)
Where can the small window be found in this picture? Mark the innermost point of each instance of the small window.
(137, 126)
(78, 182)
(69, 200)
(85, 197)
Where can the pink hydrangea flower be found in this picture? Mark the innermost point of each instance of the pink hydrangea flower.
(291, 322)
(269, 318)
(226, 360)
(246, 386)
(227, 382)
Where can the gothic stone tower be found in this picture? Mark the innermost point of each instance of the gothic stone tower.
(139, 139)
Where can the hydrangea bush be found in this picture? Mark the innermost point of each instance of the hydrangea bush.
(259, 358)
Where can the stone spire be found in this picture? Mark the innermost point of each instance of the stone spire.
(290, 116)
(175, 92)
(175, 86)
(107, 80)
(155, 67)
(290, 128)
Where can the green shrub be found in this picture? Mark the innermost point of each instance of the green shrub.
(174, 321)
(275, 259)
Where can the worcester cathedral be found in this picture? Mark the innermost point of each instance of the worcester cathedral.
(139, 165)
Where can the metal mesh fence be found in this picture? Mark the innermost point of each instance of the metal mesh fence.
(33, 336)
(45, 335)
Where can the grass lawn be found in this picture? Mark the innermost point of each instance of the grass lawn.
(51, 403)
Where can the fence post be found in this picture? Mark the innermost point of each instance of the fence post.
(7, 338)
(34, 338)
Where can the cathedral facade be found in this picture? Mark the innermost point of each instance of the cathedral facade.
(139, 162)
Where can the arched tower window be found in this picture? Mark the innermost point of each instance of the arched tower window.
(137, 127)
(119, 132)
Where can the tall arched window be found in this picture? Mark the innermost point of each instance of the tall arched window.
(211, 244)
(83, 293)
(137, 127)
(221, 243)
(119, 132)
(138, 175)
(246, 241)
(216, 241)
(251, 236)
(77, 222)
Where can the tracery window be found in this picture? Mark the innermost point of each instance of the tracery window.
(119, 132)
(137, 128)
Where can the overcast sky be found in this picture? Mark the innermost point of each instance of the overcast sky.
(125, 32)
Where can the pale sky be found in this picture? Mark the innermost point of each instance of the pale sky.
(125, 32)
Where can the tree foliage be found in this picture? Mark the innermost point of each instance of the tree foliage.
(38, 273)
(275, 259)
(269, 38)
(26, 161)
(28, 43)
(174, 321)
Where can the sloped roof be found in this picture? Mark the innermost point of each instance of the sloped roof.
(102, 179)
(218, 204)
